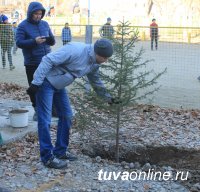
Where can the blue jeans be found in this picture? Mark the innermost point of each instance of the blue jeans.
(44, 101)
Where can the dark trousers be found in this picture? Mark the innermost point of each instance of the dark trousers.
(154, 38)
(30, 70)
(65, 42)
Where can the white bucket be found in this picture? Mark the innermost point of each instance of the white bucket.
(19, 118)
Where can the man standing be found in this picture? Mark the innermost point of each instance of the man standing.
(107, 31)
(154, 34)
(66, 34)
(34, 37)
(56, 71)
(14, 29)
(6, 41)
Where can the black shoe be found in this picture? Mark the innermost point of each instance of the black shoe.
(68, 156)
(12, 67)
(56, 163)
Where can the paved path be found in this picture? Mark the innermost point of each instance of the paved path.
(180, 87)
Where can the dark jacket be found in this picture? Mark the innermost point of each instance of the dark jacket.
(106, 31)
(28, 30)
(66, 34)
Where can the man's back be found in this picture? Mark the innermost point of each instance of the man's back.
(154, 29)
(6, 35)
(72, 60)
(107, 30)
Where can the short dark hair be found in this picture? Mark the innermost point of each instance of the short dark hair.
(66, 23)
(153, 19)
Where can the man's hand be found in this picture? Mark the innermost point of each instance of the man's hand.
(32, 90)
(50, 40)
(40, 39)
(114, 101)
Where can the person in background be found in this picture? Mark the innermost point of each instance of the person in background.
(34, 37)
(154, 34)
(1, 18)
(107, 31)
(14, 29)
(66, 34)
(56, 71)
(6, 41)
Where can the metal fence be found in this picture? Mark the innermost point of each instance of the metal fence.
(166, 34)
(178, 51)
